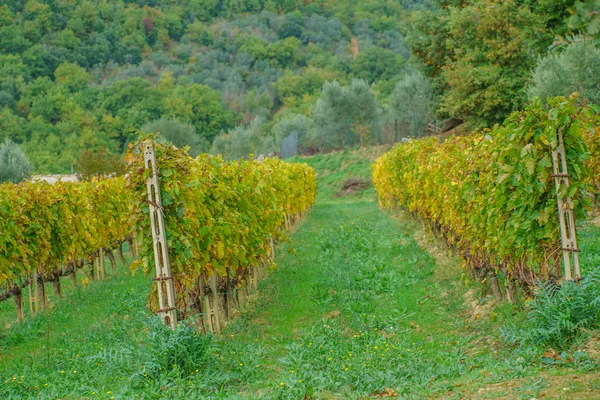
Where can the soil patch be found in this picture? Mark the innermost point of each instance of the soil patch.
(353, 186)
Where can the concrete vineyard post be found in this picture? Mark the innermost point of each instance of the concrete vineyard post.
(40, 292)
(566, 217)
(163, 278)
(272, 242)
(74, 275)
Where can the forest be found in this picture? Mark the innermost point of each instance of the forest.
(82, 79)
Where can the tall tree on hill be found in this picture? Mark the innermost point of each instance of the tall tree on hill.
(480, 53)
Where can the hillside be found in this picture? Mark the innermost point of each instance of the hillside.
(81, 79)
(89, 75)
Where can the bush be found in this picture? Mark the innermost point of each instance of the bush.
(559, 315)
(14, 164)
(183, 348)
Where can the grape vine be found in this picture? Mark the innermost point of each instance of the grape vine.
(219, 216)
(49, 231)
(491, 195)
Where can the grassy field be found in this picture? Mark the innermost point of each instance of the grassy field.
(364, 304)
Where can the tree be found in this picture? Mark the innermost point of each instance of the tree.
(292, 25)
(375, 63)
(586, 18)
(98, 164)
(178, 133)
(362, 108)
(200, 105)
(14, 164)
(244, 140)
(412, 103)
(72, 77)
(295, 123)
(290, 123)
(576, 69)
(495, 45)
(341, 112)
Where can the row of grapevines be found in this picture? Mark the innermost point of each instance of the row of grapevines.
(47, 227)
(219, 216)
(492, 194)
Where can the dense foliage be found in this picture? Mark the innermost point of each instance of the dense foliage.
(480, 53)
(89, 75)
(492, 194)
(575, 69)
(219, 216)
(49, 229)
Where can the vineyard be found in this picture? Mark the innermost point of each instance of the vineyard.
(299, 200)
(222, 221)
(357, 299)
(492, 196)
(52, 231)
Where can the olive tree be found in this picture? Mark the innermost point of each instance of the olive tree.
(576, 69)
(178, 133)
(14, 164)
(412, 101)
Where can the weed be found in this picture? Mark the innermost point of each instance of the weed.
(559, 315)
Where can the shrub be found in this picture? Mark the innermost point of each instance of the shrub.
(14, 164)
(560, 314)
(184, 348)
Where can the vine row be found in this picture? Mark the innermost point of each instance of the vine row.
(220, 217)
(491, 195)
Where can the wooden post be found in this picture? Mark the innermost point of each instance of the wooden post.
(212, 306)
(101, 261)
(19, 302)
(252, 280)
(241, 296)
(272, 248)
(30, 289)
(230, 295)
(74, 275)
(40, 295)
(566, 217)
(166, 291)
